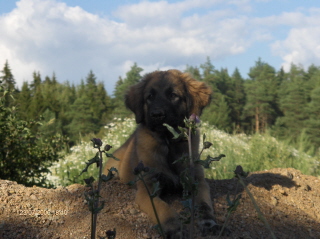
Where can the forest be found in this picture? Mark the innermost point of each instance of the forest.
(283, 104)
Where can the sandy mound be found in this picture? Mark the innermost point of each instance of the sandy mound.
(289, 200)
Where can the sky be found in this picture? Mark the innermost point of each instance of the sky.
(69, 38)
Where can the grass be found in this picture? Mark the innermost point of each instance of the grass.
(253, 152)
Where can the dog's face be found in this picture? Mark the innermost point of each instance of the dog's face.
(167, 97)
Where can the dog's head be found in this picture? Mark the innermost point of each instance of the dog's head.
(167, 97)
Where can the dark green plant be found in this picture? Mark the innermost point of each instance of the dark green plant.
(24, 157)
(93, 196)
(111, 234)
(187, 177)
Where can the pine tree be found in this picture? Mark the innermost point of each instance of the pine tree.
(8, 84)
(222, 80)
(91, 93)
(83, 120)
(103, 104)
(24, 101)
(237, 98)
(218, 113)
(50, 125)
(313, 123)
(261, 91)
(37, 104)
(67, 97)
(132, 77)
(194, 71)
(207, 68)
(50, 92)
(98, 98)
(293, 102)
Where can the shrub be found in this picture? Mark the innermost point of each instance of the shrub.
(24, 157)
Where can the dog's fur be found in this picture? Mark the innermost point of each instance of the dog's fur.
(163, 97)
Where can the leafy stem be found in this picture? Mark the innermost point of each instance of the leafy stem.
(187, 177)
(93, 196)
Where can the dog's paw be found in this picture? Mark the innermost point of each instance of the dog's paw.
(208, 223)
(173, 229)
(181, 233)
(208, 226)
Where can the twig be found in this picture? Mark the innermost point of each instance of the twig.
(256, 206)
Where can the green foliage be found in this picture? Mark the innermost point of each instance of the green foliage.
(313, 121)
(69, 110)
(24, 158)
(236, 97)
(194, 71)
(285, 104)
(132, 77)
(218, 113)
(293, 102)
(23, 101)
(261, 91)
(83, 119)
(256, 153)
(8, 83)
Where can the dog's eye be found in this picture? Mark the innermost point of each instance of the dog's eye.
(150, 97)
(174, 96)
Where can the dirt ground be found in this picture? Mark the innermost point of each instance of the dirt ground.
(289, 200)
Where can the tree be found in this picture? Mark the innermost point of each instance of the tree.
(50, 93)
(217, 114)
(24, 101)
(207, 68)
(8, 83)
(83, 120)
(49, 124)
(24, 158)
(236, 97)
(194, 71)
(312, 124)
(261, 91)
(98, 97)
(37, 104)
(104, 104)
(293, 102)
(132, 77)
(222, 80)
(67, 96)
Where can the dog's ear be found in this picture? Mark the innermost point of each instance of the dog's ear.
(200, 94)
(134, 101)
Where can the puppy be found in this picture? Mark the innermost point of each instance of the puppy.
(164, 97)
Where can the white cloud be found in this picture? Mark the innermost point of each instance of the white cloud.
(152, 13)
(301, 45)
(49, 36)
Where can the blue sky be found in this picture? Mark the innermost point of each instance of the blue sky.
(70, 37)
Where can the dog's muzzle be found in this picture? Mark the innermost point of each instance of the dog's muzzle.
(157, 115)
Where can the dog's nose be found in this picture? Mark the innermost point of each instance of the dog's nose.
(158, 114)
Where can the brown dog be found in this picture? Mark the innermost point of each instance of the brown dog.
(163, 97)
